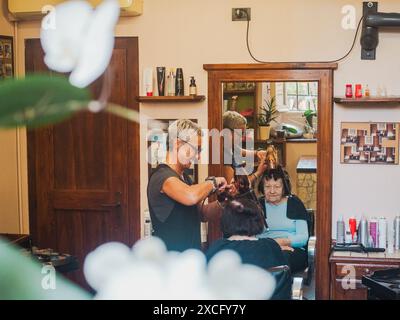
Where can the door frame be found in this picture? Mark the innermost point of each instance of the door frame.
(323, 73)
(133, 147)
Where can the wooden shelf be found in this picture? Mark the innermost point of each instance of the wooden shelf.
(368, 100)
(238, 92)
(170, 99)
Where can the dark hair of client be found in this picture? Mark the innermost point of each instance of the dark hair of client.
(242, 217)
(275, 174)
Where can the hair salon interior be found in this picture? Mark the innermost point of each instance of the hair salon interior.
(189, 149)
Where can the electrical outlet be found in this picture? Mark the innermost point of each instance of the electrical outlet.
(241, 14)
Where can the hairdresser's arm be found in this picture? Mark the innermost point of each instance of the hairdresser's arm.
(262, 166)
(190, 195)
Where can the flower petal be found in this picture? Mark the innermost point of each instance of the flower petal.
(99, 44)
(150, 249)
(63, 32)
(101, 263)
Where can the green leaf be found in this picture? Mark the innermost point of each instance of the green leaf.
(39, 100)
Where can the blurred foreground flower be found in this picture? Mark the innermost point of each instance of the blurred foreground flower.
(81, 40)
(149, 271)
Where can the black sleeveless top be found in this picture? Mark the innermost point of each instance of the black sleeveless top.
(176, 224)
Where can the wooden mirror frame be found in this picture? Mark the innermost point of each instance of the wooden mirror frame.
(275, 72)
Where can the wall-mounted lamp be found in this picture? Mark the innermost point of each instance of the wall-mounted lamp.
(370, 31)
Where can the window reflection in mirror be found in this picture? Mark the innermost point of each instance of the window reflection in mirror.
(296, 104)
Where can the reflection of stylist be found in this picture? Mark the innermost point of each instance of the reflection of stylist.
(235, 122)
(173, 199)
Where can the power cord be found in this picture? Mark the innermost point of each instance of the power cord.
(331, 61)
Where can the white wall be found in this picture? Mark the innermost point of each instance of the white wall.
(189, 33)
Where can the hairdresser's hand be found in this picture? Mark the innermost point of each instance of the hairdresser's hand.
(262, 166)
(261, 155)
(221, 183)
(232, 190)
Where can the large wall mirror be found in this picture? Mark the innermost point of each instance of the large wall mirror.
(299, 95)
(285, 115)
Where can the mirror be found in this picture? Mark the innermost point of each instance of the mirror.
(284, 115)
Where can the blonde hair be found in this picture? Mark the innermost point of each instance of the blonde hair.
(233, 120)
(183, 129)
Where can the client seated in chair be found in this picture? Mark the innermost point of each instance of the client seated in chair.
(286, 217)
(241, 221)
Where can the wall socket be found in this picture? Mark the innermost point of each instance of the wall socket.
(239, 14)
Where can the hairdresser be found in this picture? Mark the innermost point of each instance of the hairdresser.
(175, 203)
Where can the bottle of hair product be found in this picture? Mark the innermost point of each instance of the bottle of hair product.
(367, 92)
(148, 81)
(161, 80)
(171, 83)
(192, 87)
(147, 224)
(179, 85)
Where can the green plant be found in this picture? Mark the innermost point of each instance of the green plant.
(268, 114)
(309, 114)
(40, 100)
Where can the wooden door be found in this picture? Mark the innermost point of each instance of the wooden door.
(84, 173)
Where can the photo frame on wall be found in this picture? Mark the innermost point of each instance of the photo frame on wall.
(369, 143)
(157, 146)
(6, 57)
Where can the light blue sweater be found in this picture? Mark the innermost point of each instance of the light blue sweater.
(280, 226)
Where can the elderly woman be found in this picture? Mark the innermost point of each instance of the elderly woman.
(241, 221)
(287, 219)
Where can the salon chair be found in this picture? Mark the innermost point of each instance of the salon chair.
(305, 277)
(283, 289)
(302, 278)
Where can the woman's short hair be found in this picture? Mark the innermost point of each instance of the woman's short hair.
(233, 120)
(183, 129)
(242, 217)
(275, 174)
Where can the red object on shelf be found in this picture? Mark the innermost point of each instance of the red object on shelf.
(248, 112)
(359, 93)
(353, 227)
(149, 94)
(349, 91)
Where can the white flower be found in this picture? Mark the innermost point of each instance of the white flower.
(82, 39)
(150, 272)
(105, 260)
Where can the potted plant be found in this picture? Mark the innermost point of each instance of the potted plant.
(265, 117)
(309, 115)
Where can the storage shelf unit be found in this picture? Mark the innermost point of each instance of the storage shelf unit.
(170, 99)
(368, 100)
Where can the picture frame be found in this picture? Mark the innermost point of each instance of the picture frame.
(369, 143)
(6, 57)
(157, 146)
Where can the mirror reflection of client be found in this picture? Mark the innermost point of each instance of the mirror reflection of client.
(237, 123)
(241, 221)
(174, 201)
(287, 219)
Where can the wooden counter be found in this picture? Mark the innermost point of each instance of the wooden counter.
(344, 263)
